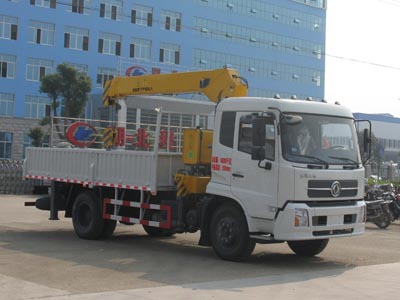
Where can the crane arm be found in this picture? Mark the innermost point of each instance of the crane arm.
(215, 84)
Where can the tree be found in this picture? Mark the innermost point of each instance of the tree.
(51, 85)
(70, 85)
(37, 136)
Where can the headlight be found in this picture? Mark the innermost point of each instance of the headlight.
(362, 217)
(300, 217)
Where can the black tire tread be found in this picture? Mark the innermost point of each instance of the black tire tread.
(95, 229)
(308, 248)
(246, 246)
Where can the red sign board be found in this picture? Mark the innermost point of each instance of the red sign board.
(81, 134)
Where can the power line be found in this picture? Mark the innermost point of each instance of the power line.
(363, 61)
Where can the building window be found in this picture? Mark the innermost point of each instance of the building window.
(6, 105)
(7, 66)
(36, 68)
(76, 38)
(104, 74)
(81, 6)
(79, 67)
(169, 53)
(271, 12)
(140, 48)
(44, 3)
(35, 106)
(41, 33)
(171, 20)
(142, 15)
(111, 9)
(6, 139)
(8, 27)
(27, 143)
(316, 3)
(109, 44)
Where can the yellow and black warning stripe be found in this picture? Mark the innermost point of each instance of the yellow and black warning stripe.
(181, 190)
(109, 136)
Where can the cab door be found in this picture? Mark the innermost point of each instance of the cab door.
(255, 186)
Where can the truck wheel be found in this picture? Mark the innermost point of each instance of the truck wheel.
(308, 248)
(109, 228)
(158, 232)
(86, 216)
(229, 234)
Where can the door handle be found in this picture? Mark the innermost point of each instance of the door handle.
(237, 175)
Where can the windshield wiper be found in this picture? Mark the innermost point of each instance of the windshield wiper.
(317, 159)
(345, 159)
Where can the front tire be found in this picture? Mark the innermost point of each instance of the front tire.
(87, 216)
(229, 234)
(308, 248)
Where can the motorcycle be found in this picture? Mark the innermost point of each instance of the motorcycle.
(395, 207)
(378, 210)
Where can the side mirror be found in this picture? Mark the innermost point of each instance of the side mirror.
(258, 135)
(366, 140)
(258, 154)
(366, 144)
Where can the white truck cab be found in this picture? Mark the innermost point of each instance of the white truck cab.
(304, 182)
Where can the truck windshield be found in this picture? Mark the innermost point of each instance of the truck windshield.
(320, 139)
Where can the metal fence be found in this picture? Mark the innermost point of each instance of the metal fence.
(11, 181)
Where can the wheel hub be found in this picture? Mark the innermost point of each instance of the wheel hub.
(226, 233)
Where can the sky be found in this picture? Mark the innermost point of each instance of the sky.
(363, 55)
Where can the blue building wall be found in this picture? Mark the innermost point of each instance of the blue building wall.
(277, 45)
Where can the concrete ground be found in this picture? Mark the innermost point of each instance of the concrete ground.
(44, 259)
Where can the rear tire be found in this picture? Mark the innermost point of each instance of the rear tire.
(109, 228)
(308, 248)
(87, 217)
(229, 234)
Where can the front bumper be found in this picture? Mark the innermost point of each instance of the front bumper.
(324, 221)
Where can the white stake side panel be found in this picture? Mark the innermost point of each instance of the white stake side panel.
(125, 169)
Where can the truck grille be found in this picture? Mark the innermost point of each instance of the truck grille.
(322, 188)
(333, 232)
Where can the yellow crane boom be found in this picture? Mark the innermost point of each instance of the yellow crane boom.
(215, 84)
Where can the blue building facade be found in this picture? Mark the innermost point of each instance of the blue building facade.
(277, 45)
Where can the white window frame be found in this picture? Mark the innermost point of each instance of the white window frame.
(175, 20)
(142, 15)
(47, 33)
(108, 7)
(169, 53)
(34, 67)
(105, 73)
(76, 37)
(82, 6)
(142, 48)
(110, 43)
(35, 106)
(4, 144)
(6, 23)
(10, 61)
(7, 102)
